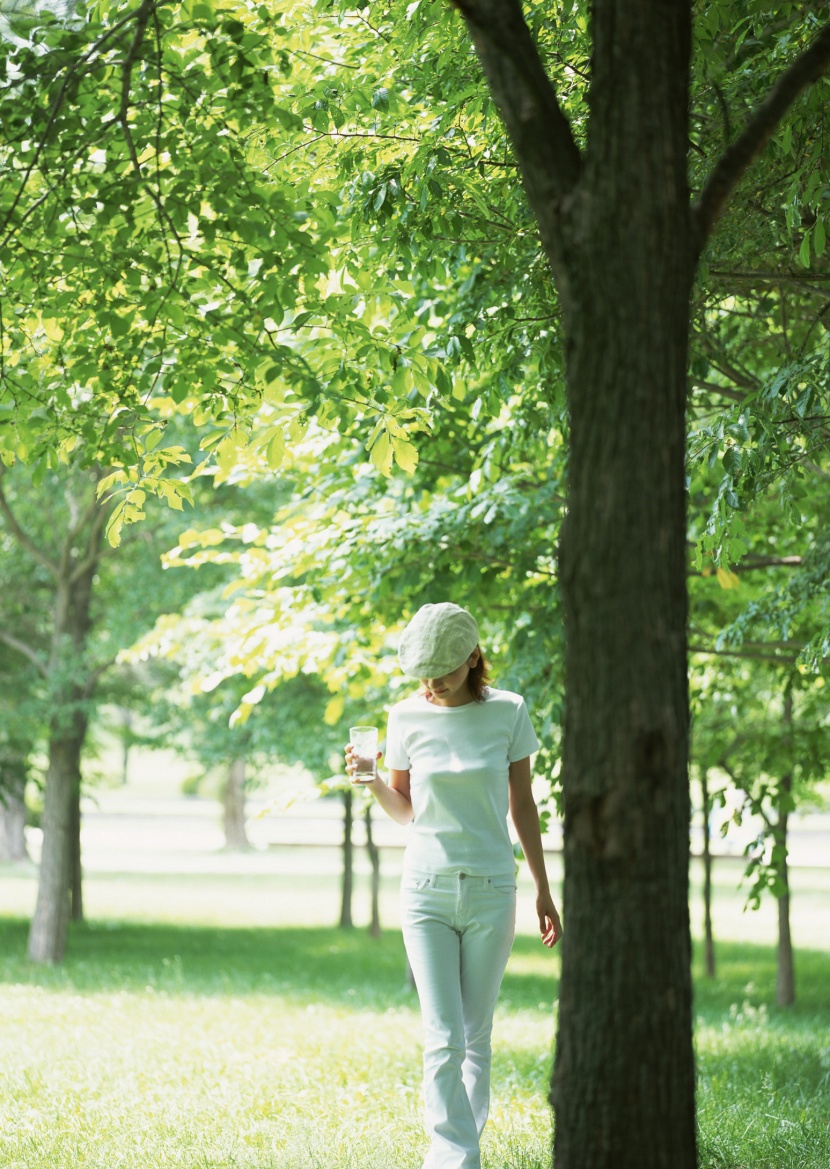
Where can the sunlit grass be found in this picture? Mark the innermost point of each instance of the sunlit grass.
(162, 1046)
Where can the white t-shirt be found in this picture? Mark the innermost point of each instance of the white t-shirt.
(458, 759)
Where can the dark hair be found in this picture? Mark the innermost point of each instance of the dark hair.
(478, 679)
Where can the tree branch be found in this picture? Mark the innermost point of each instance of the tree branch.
(723, 391)
(771, 656)
(541, 134)
(142, 17)
(97, 513)
(735, 161)
(34, 657)
(21, 536)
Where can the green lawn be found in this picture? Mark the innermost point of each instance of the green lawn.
(207, 1047)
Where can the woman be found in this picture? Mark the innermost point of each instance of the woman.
(458, 754)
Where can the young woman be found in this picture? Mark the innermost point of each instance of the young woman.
(458, 754)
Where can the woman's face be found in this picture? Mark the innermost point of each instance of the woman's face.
(451, 689)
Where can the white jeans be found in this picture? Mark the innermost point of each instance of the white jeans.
(458, 931)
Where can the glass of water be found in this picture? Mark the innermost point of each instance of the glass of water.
(364, 741)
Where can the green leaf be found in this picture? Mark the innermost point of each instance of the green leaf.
(381, 454)
(804, 250)
(406, 455)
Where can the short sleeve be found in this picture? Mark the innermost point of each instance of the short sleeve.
(523, 741)
(395, 755)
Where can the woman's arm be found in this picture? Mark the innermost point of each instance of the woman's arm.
(525, 817)
(393, 797)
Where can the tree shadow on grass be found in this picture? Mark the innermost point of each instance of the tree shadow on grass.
(350, 968)
(339, 966)
(746, 974)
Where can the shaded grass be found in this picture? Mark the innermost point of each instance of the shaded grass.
(170, 1046)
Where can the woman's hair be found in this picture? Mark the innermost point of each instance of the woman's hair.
(478, 678)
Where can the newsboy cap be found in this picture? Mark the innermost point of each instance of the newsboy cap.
(437, 640)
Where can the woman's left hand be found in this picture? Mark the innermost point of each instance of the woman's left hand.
(550, 925)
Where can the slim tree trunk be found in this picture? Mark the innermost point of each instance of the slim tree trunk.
(73, 682)
(374, 859)
(347, 884)
(126, 718)
(13, 803)
(785, 982)
(708, 937)
(233, 803)
(47, 935)
(13, 829)
(76, 887)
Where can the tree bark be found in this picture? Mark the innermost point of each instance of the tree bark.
(616, 226)
(623, 1082)
(13, 829)
(347, 884)
(374, 860)
(708, 936)
(12, 803)
(785, 981)
(47, 935)
(76, 883)
(233, 803)
(72, 682)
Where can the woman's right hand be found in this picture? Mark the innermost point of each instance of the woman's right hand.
(351, 768)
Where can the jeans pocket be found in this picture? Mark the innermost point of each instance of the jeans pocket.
(502, 885)
(414, 884)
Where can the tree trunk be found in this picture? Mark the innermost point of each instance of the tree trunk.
(126, 718)
(785, 982)
(623, 1082)
(233, 804)
(76, 888)
(708, 937)
(73, 682)
(616, 225)
(13, 804)
(374, 859)
(347, 884)
(47, 936)
(13, 829)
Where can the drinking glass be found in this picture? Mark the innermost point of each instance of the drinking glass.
(364, 741)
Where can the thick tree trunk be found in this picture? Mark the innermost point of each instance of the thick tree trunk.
(623, 1083)
(233, 804)
(708, 936)
(374, 860)
(617, 228)
(347, 884)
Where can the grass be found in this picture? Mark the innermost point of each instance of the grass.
(163, 1045)
(160, 1045)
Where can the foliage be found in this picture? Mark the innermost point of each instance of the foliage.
(766, 730)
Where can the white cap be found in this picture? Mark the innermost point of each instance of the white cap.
(437, 640)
